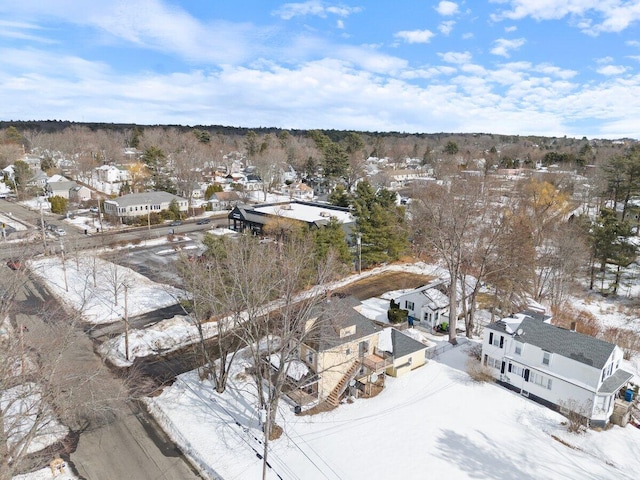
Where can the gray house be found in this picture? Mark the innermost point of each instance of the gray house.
(141, 204)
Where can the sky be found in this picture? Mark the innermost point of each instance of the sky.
(517, 67)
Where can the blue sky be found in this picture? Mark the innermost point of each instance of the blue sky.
(526, 67)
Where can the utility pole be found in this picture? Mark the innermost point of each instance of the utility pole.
(44, 234)
(21, 332)
(359, 243)
(64, 267)
(126, 324)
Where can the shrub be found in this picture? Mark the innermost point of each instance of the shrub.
(479, 372)
(475, 351)
(397, 315)
(586, 322)
(58, 204)
(575, 413)
(627, 340)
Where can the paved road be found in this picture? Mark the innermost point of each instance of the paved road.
(121, 444)
(125, 449)
(77, 240)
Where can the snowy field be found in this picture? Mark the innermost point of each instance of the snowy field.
(434, 422)
(96, 288)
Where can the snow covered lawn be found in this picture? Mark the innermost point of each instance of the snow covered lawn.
(96, 288)
(432, 423)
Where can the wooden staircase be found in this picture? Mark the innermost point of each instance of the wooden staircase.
(334, 397)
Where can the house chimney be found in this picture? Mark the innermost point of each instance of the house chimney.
(573, 326)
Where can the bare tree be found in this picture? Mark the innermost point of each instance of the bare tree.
(46, 385)
(443, 219)
(262, 295)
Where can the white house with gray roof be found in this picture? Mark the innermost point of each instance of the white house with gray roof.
(555, 366)
(141, 204)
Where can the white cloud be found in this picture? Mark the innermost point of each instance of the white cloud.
(313, 8)
(455, 57)
(604, 60)
(503, 46)
(591, 16)
(340, 24)
(556, 71)
(445, 28)
(415, 36)
(446, 8)
(610, 70)
(510, 29)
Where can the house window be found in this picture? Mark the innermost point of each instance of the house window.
(348, 352)
(518, 349)
(408, 305)
(310, 357)
(549, 384)
(495, 340)
(546, 358)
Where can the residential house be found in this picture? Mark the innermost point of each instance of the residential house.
(60, 188)
(142, 204)
(224, 200)
(79, 194)
(407, 352)
(341, 350)
(428, 304)
(112, 174)
(562, 369)
(38, 180)
(33, 162)
(298, 191)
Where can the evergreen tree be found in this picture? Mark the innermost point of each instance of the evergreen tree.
(58, 204)
(211, 189)
(335, 158)
(451, 148)
(380, 224)
(156, 160)
(332, 237)
(340, 197)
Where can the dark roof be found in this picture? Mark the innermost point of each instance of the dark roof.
(337, 313)
(536, 315)
(615, 381)
(404, 344)
(574, 345)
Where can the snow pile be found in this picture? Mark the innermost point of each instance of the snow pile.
(45, 474)
(22, 410)
(163, 337)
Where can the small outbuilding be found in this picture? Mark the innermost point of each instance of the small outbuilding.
(408, 353)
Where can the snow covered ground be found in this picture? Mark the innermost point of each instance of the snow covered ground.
(432, 423)
(96, 288)
(435, 421)
(45, 474)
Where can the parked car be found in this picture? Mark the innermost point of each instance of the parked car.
(203, 221)
(15, 264)
(93, 209)
(60, 232)
(175, 223)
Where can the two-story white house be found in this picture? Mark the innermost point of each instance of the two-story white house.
(559, 368)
